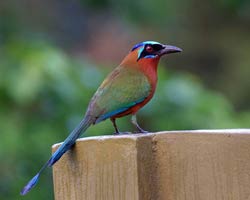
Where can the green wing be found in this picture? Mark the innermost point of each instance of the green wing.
(122, 89)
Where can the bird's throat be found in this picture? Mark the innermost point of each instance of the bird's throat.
(149, 69)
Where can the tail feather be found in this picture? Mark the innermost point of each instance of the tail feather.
(70, 140)
(67, 144)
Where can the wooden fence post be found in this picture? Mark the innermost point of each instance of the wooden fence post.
(171, 165)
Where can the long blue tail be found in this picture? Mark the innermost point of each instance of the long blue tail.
(67, 144)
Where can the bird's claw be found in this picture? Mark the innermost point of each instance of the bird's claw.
(141, 131)
(122, 133)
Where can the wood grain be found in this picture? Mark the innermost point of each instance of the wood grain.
(172, 165)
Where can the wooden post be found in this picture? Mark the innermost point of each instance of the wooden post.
(171, 165)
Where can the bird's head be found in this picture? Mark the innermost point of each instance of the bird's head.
(153, 50)
(149, 52)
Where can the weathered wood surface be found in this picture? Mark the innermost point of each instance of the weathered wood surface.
(171, 165)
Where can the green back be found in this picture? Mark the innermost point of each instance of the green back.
(122, 89)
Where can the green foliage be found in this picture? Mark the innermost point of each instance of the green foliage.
(185, 104)
(44, 94)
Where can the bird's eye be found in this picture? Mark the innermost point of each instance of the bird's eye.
(149, 49)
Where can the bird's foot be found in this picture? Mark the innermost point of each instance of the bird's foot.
(141, 131)
(122, 133)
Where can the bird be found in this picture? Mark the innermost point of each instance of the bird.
(123, 92)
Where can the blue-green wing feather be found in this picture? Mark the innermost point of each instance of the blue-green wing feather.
(118, 111)
(123, 89)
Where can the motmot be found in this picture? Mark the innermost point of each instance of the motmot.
(125, 90)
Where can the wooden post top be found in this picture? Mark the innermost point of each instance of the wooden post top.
(152, 134)
(169, 165)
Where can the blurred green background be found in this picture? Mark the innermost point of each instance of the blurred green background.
(54, 54)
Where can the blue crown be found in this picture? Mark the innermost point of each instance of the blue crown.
(143, 44)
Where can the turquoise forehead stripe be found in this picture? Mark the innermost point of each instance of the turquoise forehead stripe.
(143, 44)
(139, 52)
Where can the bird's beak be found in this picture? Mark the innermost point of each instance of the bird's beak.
(169, 49)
